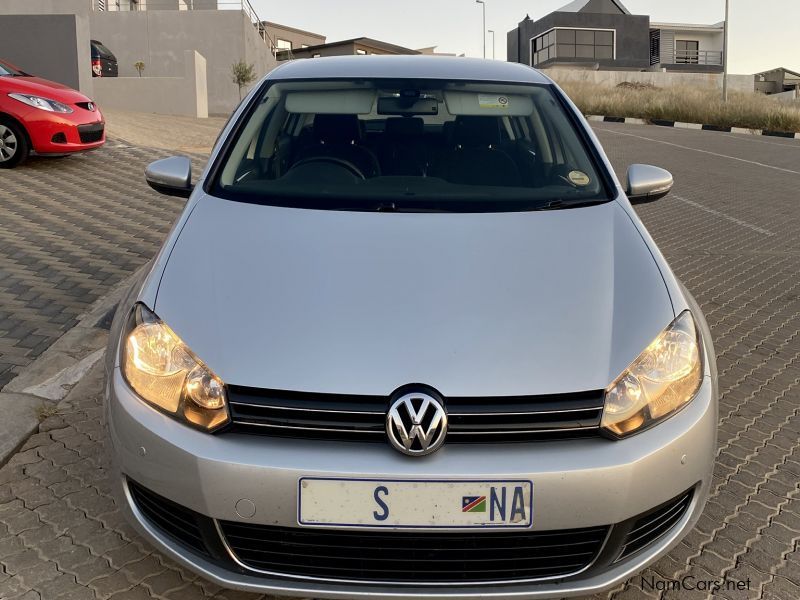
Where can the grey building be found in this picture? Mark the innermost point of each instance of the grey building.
(355, 46)
(778, 81)
(603, 34)
(283, 37)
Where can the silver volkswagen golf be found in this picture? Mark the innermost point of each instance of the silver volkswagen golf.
(409, 339)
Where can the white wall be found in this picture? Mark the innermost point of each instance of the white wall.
(736, 83)
(790, 96)
(186, 95)
(712, 42)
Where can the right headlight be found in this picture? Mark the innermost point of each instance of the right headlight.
(661, 381)
(164, 372)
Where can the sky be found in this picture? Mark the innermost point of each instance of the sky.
(764, 34)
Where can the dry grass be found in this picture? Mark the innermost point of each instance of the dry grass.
(685, 104)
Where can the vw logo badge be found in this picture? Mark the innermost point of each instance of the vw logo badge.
(90, 106)
(416, 424)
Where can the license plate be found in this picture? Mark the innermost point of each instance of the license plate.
(404, 503)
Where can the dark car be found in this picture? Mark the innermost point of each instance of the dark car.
(104, 63)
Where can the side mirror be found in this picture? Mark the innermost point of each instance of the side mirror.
(171, 176)
(647, 183)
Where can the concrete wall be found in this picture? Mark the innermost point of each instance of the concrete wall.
(160, 38)
(38, 47)
(54, 56)
(736, 83)
(187, 95)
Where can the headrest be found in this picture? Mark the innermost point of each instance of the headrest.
(475, 132)
(401, 126)
(337, 129)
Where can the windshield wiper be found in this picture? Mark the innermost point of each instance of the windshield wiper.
(572, 203)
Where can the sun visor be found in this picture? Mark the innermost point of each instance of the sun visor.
(489, 105)
(334, 102)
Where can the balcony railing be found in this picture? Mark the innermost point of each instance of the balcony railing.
(692, 57)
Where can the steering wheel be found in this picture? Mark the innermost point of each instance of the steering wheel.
(351, 167)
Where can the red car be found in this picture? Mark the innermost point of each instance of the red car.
(43, 117)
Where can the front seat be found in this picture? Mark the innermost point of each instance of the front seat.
(403, 151)
(340, 136)
(475, 157)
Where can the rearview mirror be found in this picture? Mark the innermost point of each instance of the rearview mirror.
(171, 176)
(403, 105)
(647, 183)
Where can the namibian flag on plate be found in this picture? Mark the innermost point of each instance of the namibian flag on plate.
(473, 504)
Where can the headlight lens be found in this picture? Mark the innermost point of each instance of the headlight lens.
(661, 381)
(166, 373)
(42, 103)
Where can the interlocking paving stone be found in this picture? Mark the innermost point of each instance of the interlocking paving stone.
(72, 228)
(729, 230)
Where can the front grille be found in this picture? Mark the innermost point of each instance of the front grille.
(651, 526)
(362, 418)
(91, 133)
(176, 522)
(429, 557)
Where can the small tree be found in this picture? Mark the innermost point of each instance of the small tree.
(243, 75)
(139, 66)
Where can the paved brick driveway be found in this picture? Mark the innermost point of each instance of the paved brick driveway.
(730, 230)
(69, 230)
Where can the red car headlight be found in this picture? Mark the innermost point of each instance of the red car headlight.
(42, 103)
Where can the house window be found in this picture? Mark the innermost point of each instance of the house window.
(304, 46)
(573, 43)
(687, 52)
(361, 52)
(283, 44)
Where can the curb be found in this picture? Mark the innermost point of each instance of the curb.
(697, 126)
(39, 388)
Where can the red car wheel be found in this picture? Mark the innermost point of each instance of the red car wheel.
(14, 147)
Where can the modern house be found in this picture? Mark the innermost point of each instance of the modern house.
(686, 47)
(283, 37)
(355, 46)
(603, 34)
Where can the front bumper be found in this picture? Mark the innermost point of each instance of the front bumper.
(578, 483)
(57, 133)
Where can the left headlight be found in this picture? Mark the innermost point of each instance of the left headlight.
(161, 369)
(42, 103)
(661, 381)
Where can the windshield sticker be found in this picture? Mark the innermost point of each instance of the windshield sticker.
(487, 101)
(579, 178)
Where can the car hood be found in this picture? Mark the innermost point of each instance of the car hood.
(363, 303)
(42, 87)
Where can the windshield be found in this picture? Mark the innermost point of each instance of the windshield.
(7, 70)
(409, 145)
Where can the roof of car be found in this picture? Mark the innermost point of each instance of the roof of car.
(408, 67)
